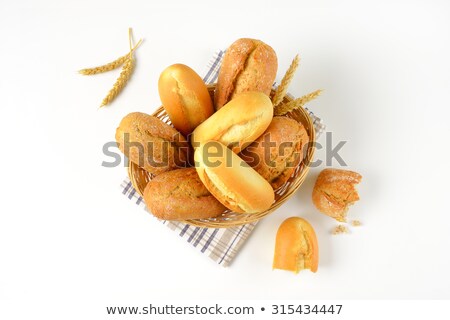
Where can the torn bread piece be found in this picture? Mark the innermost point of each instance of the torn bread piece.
(296, 246)
(334, 192)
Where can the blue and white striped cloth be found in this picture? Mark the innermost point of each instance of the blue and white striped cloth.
(222, 244)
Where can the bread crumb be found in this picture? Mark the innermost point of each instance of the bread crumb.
(340, 229)
(355, 223)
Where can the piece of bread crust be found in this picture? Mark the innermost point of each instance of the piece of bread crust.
(335, 191)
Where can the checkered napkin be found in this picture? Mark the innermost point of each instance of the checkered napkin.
(221, 244)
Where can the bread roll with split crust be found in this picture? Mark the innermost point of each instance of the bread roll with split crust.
(238, 123)
(185, 97)
(231, 180)
(278, 151)
(180, 195)
(248, 65)
(151, 144)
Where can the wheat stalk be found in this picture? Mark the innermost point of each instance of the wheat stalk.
(125, 74)
(109, 66)
(297, 103)
(280, 92)
(121, 81)
(104, 68)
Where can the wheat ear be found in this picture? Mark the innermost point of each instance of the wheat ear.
(280, 92)
(121, 81)
(297, 103)
(124, 76)
(109, 66)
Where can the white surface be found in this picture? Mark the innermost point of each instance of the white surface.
(68, 235)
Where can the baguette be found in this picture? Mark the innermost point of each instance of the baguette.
(185, 97)
(248, 65)
(231, 180)
(238, 123)
(180, 195)
(151, 144)
(278, 151)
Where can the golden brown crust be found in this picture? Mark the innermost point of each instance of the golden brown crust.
(248, 65)
(296, 246)
(180, 195)
(152, 144)
(335, 191)
(278, 151)
(185, 97)
(238, 123)
(230, 203)
(235, 184)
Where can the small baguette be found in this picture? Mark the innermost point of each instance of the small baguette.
(238, 123)
(231, 180)
(151, 143)
(185, 97)
(248, 65)
(180, 195)
(278, 151)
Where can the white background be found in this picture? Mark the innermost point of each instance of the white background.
(69, 239)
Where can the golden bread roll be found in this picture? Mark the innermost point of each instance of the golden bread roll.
(238, 123)
(296, 246)
(185, 97)
(151, 144)
(278, 151)
(180, 195)
(248, 65)
(335, 191)
(231, 180)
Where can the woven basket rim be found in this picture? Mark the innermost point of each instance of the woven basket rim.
(139, 177)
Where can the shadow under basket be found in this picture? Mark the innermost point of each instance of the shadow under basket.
(139, 177)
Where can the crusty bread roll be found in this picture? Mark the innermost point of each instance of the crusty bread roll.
(335, 191)
(278, 151)
(184, 97)
(296, 246)
(151, 143)
(248, 65)
(238, 123)
(231, 180)
(180, 195)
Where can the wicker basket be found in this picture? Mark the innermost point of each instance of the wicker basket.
(139, 177)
